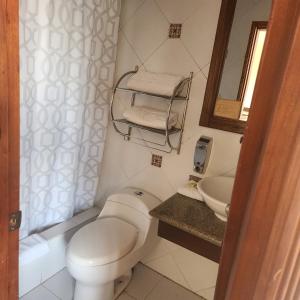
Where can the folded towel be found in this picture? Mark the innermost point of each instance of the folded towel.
(161, 84)
(150, 117)
(32, 247)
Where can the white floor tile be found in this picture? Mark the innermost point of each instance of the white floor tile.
(146, 284)
(125, 296)
(62, 285)
(158, 251)
(208, 294)
(199, 272)
(168, 290)
(144, 280)
(40, 293)
(167, 267)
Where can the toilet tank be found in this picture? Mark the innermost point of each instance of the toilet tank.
(132, 205)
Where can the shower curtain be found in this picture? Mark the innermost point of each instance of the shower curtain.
(68, 51)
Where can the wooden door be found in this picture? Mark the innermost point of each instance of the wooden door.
(9, 146)
(260, 257)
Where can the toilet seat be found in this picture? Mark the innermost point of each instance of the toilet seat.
(102, 241)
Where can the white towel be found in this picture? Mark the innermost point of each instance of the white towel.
(155, 83)
(32, 247)
(150, 117)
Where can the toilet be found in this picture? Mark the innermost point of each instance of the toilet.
(101, 255)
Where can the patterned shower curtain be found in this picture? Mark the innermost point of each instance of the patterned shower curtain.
(68, 51)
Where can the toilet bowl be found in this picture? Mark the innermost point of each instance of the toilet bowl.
(100, 255)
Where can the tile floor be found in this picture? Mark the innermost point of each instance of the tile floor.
(146, 284)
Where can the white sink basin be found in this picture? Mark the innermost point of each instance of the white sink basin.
(216, 192)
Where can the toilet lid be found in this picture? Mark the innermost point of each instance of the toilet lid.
(102, 241)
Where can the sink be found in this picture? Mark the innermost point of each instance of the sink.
(216, 192)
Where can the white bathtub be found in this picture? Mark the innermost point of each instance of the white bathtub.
(42, 268)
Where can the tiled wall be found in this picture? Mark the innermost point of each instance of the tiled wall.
(143, 41)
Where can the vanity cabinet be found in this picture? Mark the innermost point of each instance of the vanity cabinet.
(190, 224)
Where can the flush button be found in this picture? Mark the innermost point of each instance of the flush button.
(139, 193)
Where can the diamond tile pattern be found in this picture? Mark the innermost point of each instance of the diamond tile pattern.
(68, 51)
(144, 41)
(145, 284)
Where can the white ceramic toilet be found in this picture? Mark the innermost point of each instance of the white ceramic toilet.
(100, 255)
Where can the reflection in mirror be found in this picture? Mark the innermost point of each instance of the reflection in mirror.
(251, 65)
(242, 59)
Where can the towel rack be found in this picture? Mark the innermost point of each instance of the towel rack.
(166, 146)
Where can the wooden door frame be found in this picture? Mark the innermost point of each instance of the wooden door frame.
(9, 146)
(260, 255)
(259, 259)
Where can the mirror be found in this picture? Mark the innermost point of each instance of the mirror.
(235, 63)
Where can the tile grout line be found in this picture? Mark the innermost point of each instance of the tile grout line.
(192, 14)
(150, 292)
(132, 48)
(162, 12)
(50, 291)
(169, 279)
(133, 14)
(211, 287)
(143, 61)
(152, 53)
(192, 57)
(182, 273)
(190, 54)
(183, 21)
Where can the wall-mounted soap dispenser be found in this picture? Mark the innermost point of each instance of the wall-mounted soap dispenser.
(202, 154)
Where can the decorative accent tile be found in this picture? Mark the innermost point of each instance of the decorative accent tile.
(156, 160)
(175, 31)
(145, 41)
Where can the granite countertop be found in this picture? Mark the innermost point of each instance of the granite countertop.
(191, 216)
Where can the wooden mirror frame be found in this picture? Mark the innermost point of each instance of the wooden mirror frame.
(208, 119)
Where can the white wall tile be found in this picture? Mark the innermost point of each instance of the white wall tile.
(144, 41)
(150, 179)
(127, 58)
(205, 70)
(178, 168)
(129, 8)
(177, 11)
(147, 30)
(200, 29)
(172, 58)
(191, 127)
